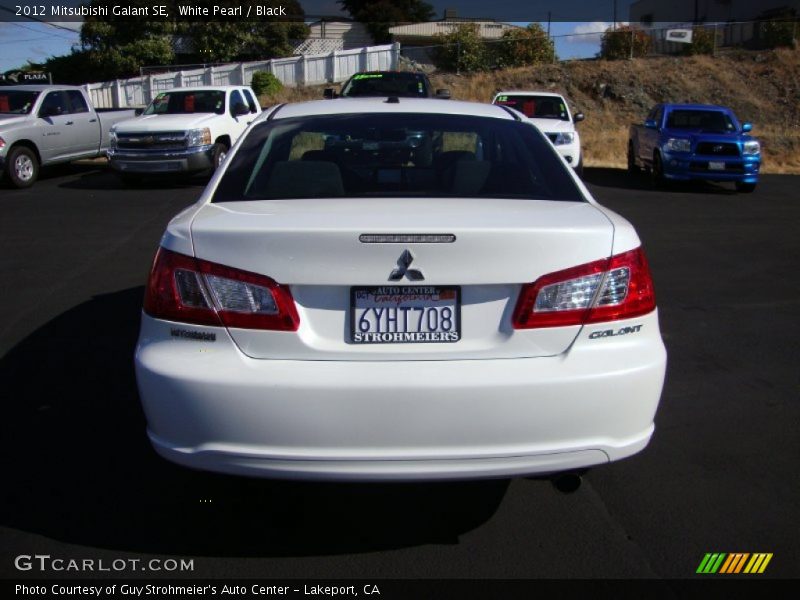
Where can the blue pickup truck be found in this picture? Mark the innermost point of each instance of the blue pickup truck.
(695, 141)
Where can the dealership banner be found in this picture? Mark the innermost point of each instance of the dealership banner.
(683, 36)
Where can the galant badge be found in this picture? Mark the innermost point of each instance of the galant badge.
(403, 264)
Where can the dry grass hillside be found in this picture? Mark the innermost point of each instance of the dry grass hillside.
(761, 87)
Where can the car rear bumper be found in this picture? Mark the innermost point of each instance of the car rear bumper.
(210, 407)
(192, 160)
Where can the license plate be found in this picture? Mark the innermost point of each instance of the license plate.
(716, 166)
(405, 314)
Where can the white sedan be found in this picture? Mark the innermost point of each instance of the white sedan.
(398, 289)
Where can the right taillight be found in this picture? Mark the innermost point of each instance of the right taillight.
(189, 290)
(609, 289)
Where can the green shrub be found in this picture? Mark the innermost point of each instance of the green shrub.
(778, 33)
(702, 41)
(523, 47)
(463, 50)
(265, 84)
(617, 44)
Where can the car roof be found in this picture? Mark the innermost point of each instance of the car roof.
(697, 106)
(378, 104)
(401, 73)
(527, 93)
(39, 87)
(205, 88)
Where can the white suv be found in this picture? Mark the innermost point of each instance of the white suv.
(550, 113)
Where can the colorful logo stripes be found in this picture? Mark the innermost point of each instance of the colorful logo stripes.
(733, 563)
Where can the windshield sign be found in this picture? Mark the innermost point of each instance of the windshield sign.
(410, 85)
(536, 107)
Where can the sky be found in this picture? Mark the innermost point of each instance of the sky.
(30, 40)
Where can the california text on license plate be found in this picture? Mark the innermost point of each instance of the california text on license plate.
(716, 166)
(405, 314)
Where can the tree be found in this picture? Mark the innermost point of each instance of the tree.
(115, 46)
(521, 47)
(625, 42)
(379, 15)
(463, 49)
(780, 30)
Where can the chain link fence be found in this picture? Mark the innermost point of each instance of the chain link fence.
(623, 42)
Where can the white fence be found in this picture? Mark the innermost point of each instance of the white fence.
(295, 70)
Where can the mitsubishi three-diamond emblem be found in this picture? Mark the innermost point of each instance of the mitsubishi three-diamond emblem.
(403, 264)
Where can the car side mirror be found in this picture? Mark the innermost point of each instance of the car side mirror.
(443, 94)
(49, 111)
(578, 117)
(329, 93)
(240, 109)
(650, 124)
(747, 127)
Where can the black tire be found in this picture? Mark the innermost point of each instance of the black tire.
(632, 166)
(579, 168)
(219, 154)
(22, 167)
(658, 171)
(745, 188)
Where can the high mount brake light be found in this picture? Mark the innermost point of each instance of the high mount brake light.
(189, 290)
(619, 287)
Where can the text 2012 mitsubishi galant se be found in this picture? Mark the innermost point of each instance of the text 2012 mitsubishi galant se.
(398, 289)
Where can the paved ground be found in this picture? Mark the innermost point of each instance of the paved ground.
(79, 479)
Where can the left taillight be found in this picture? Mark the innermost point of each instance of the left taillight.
(619, 287)
(189, 290)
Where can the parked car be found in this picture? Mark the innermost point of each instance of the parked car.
(184, 130)
(401, 84)
(418, 289)
(44, 125)
(695, 141)
(550, 113)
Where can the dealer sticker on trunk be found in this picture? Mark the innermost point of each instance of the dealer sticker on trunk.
(405, 314)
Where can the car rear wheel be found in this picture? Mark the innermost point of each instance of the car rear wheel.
(579, 168)
(22, 167)
(632, 166)
(745, 188)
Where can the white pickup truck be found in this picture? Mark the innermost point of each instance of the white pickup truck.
(184, 130)
(550, 113)
(50, 124)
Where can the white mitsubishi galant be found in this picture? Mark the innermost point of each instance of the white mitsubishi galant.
(398, 289)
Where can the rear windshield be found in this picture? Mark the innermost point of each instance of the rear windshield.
(17, 102)
(711, 121)
(539, 107)
(180, 103)
(408, 85)
(395, 155)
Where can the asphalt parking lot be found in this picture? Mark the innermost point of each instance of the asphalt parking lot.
(79, 478)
